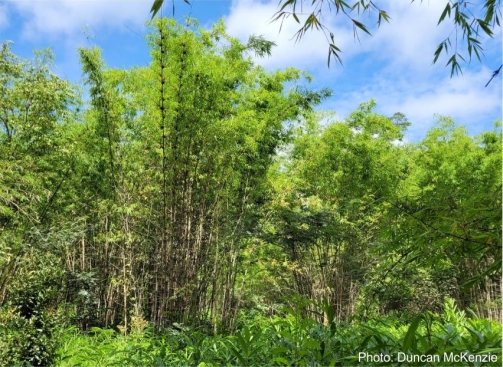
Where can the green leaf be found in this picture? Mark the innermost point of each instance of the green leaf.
(155, 7)
(438, 51)
(333, 50)
(361, 26)
(485, 27)
(260, 45)
(281, 361)
(455, 67)
(489, 5)
(288, 2)
(382, 15)
(340, 5)
(410, 337)
(446, 11)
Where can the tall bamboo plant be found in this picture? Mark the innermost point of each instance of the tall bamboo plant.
(181, 149)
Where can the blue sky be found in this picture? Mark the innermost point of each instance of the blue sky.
(394, 66)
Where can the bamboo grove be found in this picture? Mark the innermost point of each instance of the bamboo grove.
(180, 152)
(194, 118)
(201, 186)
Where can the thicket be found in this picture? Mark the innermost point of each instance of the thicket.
(198, 211)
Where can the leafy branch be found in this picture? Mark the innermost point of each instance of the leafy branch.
(314, 20)
(471, 24)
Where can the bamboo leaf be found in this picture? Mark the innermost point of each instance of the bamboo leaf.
(383, 15)
(410, 337)
(446, 11)
(333, 51)
(288, 2)
(438, 51)
(485, 27)
(361, 26)
(455, 67)
(340, 5)
(489, 5)
(155, 7)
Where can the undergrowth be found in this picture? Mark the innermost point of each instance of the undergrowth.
(294, 338)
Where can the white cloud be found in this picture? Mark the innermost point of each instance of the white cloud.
(412, 35)
(4, 20)
(248, 17)
(463, 98)
(410, 38)
(394, 66)
(64, 18)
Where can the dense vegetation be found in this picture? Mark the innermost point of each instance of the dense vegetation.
(199, 211)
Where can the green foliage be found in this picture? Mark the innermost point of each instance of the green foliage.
(29, 341)
(31, 318)
(105, 347)
(450, 203)
(293, 338)
(246, 345)
(176, 156)
(171, 216)
(440, 335)
(331, 200)
(36, 108)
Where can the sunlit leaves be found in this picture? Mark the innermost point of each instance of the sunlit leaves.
(454, 199)
(35, 110)
(383, 15)
(194, 133)
(260, 45)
